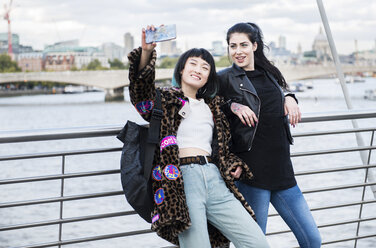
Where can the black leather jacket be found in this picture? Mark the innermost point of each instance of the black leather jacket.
(236, 87)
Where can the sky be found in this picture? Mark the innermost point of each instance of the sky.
(198, 22)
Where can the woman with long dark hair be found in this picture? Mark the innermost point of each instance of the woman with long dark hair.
(196, 201)
(259, 111)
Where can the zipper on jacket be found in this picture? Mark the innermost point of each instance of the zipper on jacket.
(258, 115)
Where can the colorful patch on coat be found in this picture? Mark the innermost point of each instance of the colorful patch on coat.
(145, 107)
(157, 173)
(182, 101)
(155, 218)
(171, 172)
(168, 141)
(159, 196)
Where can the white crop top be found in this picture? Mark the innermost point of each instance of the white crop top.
(196, 130)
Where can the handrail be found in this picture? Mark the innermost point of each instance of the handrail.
(112, 130)
(344, 186)
(336, 169)
(66, 220)
(113, 193)
(331, 132)
(87, 239)
(329, 224)
(59, 133)
(116, 149)
(58, 176)
(59, 199)
(330, 151)
(108, 172)
(347, 204)
(59, 153)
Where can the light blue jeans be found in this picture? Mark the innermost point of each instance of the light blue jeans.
(209, 199)
(291, 206)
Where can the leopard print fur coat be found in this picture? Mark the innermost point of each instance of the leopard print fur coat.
(170, 216)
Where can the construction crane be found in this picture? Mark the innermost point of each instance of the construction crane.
(7, 18)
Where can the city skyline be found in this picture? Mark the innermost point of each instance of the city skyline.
(199, 23)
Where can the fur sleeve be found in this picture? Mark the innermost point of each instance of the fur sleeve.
(141, 83)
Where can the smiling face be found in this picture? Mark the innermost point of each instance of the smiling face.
(195, 73)
(241, 51)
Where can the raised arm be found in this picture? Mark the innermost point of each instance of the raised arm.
(141, 77)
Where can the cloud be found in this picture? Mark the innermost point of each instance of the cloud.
(199, 22)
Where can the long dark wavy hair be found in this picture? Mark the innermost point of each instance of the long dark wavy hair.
(209, 90)
(254, 34)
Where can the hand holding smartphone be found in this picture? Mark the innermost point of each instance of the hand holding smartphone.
(161, 33)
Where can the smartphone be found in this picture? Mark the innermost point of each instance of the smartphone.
(162, 33)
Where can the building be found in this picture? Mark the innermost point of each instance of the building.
(75, 58)
(282, 42)
(63, 61)
(62, 45)
(17, 48)
(67, 55)
(30, 61)
(83, 58)
(279, 54)
(4, 41)
(169, 48)
(368, 56)
(321, 47)
(365, 56)
(309, 57)
(218, 48)
(128, 43)
(112, 51)
(299, 50)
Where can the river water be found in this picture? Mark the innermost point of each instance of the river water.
(89, 109)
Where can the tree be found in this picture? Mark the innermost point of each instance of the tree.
(74, 68)
(168, 62)
(94, 65)
(224, 61)
(7, 65)
(116, 64)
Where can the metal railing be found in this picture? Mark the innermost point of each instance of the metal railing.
(78, 133)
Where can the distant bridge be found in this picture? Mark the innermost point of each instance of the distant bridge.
(300, 72)
(107, 79)
(114, 80)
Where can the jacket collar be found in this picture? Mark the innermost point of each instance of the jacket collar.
(237, 70)
(177, 92)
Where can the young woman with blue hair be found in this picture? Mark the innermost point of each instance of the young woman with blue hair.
(196, 201)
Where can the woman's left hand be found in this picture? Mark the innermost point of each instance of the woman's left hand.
(292, 109)
(148, 48)
(238, 171)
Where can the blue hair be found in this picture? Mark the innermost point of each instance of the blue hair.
(174, 83)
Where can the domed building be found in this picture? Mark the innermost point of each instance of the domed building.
(321, 47)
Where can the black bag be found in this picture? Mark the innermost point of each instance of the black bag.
(136, 161)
